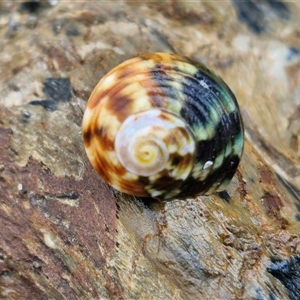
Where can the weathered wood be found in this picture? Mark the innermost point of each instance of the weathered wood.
(64, 234)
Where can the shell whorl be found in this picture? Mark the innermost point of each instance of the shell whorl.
(163, 125)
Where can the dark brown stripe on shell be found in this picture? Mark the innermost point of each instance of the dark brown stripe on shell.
(102, 136)
(120, 107)
(165, 181)
(87, 137)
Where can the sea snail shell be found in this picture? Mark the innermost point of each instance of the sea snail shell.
(163, 125)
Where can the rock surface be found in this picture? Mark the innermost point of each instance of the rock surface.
(64, 234)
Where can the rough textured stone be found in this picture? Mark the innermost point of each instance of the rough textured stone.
(64, 234)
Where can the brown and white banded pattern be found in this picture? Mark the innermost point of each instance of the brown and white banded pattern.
(163, 125)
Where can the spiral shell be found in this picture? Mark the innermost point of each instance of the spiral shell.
(163, 125)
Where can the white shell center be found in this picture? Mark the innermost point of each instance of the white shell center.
(139, 143)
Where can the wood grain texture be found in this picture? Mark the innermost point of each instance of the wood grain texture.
(64, 234)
